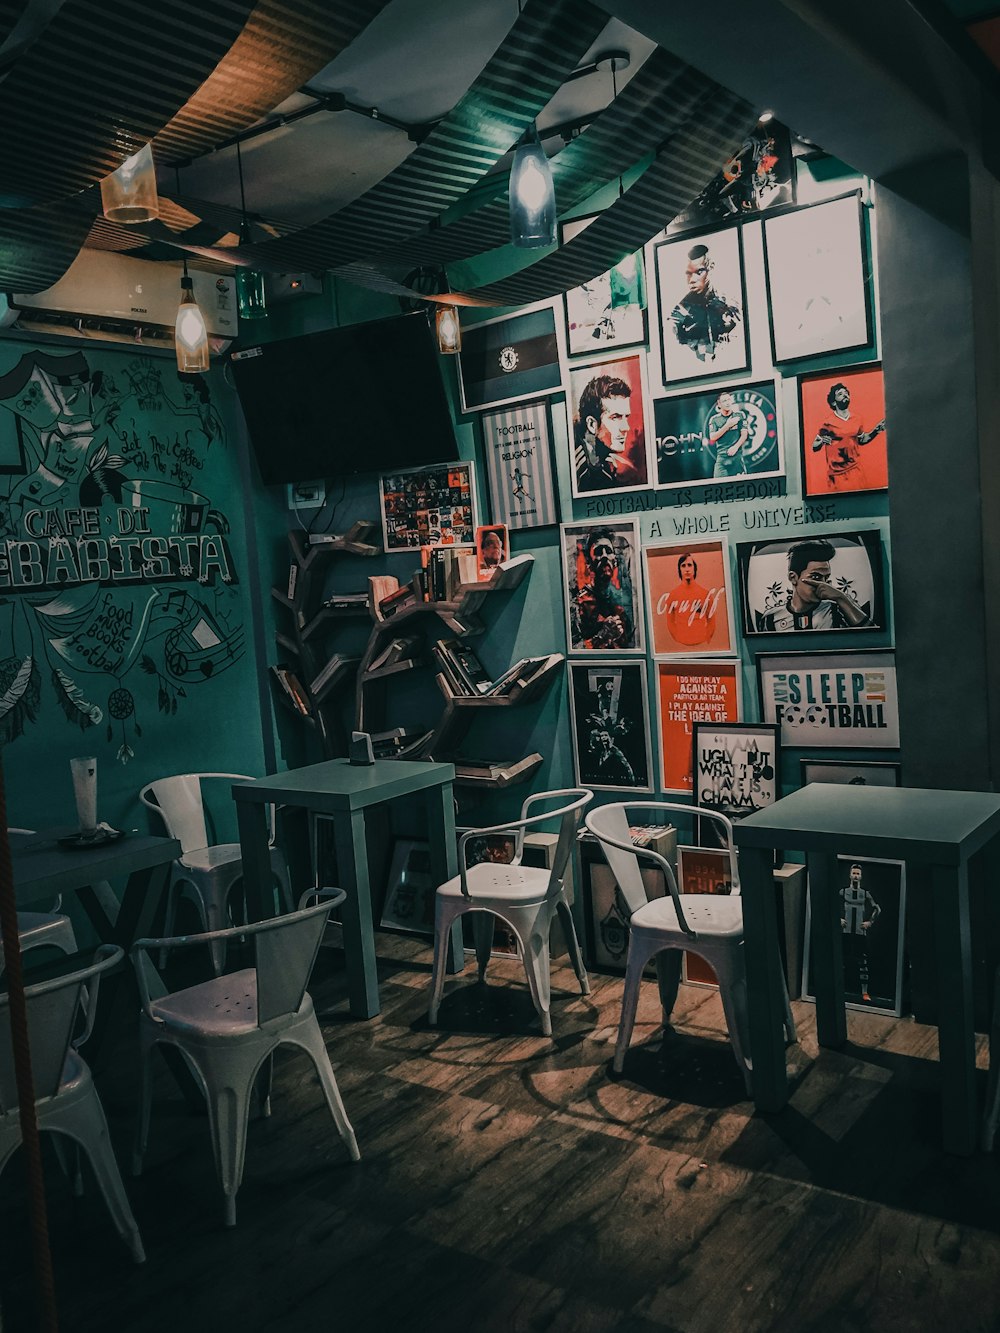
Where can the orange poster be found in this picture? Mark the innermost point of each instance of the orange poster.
(689, 601)
(843, 431)
(689, 692)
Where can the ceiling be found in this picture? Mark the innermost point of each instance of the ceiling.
(374, 135)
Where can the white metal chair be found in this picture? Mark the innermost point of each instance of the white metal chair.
(228, 1028)
(210, 872)
(66, 1101)
(710, 925)
(36, 929)
(525, 897)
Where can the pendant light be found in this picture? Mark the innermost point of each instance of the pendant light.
(190, 334)
(129, 194)
(449, 330)
(532, 196)
(251, 300)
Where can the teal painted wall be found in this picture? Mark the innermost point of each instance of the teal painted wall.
(126, 599)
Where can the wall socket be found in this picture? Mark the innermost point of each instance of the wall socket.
(306, 495)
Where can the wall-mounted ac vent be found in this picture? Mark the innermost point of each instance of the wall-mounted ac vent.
(113, 298)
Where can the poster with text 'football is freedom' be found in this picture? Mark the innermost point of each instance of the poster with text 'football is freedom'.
(686, 693)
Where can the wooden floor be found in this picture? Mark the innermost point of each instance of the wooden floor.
(507, 1182)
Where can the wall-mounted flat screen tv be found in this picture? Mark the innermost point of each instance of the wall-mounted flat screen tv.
(360, 398)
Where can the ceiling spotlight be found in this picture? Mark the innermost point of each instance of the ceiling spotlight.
(532, 195)
(449, 330)
(765, 116)
(190, 334)
(129, 194)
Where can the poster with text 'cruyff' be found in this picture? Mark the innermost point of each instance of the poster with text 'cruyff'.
(686, 693)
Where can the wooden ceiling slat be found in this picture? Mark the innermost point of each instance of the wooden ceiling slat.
(96, 84)
(37, 245)
(548, 39)
(284, 44)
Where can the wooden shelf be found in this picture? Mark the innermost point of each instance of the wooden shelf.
(397, 668)
(508, 776)
(328, 613)
(345, 669)
(521, 692)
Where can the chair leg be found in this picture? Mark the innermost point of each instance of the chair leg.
(483, 925)
(668, 979)
(228, 1096)
(536, 966)
(145, 1103)
(791, 1036)
(84, 1121)
(573, 945)
(310, 1038)
(67, 1153)
(263, 1086)
(638, 957)
(443, 919)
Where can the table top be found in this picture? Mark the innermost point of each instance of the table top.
(911, 823)
(43, 869)
(337, 784)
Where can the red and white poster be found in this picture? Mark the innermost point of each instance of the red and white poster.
(689, 692)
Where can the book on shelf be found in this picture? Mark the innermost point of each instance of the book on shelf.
(397, 741)
(330, 669)
(293, 578)
(346, 599)
(452, 683)
(519, 672)
(396, 650)
(398, 601)
(466, 665)
(293, 688)
(380, 586)
(492, 770)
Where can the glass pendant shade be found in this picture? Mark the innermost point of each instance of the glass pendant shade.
(449, 330)
(129, 194)
(251, 298)
(532, 197)
(190, 335)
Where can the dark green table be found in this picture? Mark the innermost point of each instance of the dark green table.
(935, 833)
(344, 792)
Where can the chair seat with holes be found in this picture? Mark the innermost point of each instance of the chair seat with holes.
(708, 914)
(523, 885)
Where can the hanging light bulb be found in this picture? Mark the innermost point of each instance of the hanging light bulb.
(449, 330)
(190, 334)
(532, 197)
(251, 299)
(129, 194)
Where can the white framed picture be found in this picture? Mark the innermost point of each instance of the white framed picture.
(610, 310)
(433, 505)
(827, 701)
(602, 586)
(608, 420)
(518, 448)
(701, 298)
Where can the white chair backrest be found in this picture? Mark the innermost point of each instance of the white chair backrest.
(610, 824)
(569, 805)
(285, 949)
(179, 803)
(52, 1012)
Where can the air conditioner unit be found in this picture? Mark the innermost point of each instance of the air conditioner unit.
(114, 298)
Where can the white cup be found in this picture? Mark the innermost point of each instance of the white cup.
(84, 773)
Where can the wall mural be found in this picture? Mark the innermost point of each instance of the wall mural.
(117, 581)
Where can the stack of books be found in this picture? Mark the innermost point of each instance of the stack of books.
(380, 586)
(462, 669)
(490, 770)
(345, 601)
(447, 568)
(292, 688)
(397, 741)
(397, 601)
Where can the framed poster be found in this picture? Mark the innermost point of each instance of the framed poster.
(492, 549)
(601, 586)
(718, 434)
(611, 748)
(610, 310)
(817, 279)
(736, 766)
(518, 450)
(759, 175)
(842, 431)
(686, 693)
(606, 417)
(832, 581)
(872, 915)
(851, 772)
(831, 700)
(429, 506)
(702, 870)
(701, 297)
(409, 892)
(511, 357)
(688, 599)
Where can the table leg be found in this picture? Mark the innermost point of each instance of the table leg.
(440, 803)
(356, 913)
(956, 1037)
(826, 950)
(255, 851)
(763, 964)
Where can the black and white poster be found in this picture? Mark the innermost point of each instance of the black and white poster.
(831, 700)
(611, 745)
(701, 295)
(511, 358)
(830, 581)
(736, 766)
(518, 451)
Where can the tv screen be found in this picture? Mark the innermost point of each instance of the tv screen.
(360, 398)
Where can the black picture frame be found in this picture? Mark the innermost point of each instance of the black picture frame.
(609, 706)
(700, 365)
(606, 336)
(736, 780)
(808, 286)
(766, 587)
(841, 771)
